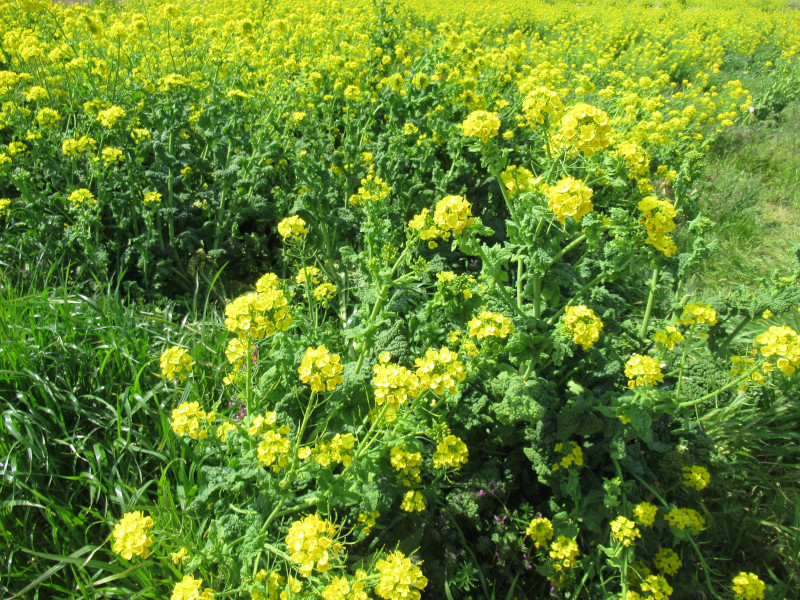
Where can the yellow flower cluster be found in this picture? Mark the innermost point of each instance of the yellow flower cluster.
(452, 214)
(191, 589)
(643, 370)
(481, 124)
(337, 450)
(176, 362)
(311, 274)
(256, 314)
(324, 292)
(110, 116)
(748, 586)
(624, 530)
(4, 204)
(311, 545)
(667, 561)
(393, 383)
(413, 501)
(783, 342)
(569, 198)
(685, 518)
(565, 552)
(584, 128)
(340, 589)
(111, 156)
(489, 324)
(439, 371)
(568, 458)
(292, 228)
(657, 218)
(645, 513)
(273, 449)
(635, 158)
(373, 189)
(130, 535)
(450, 453)
(82, 197)
(583, 324)
(696, 477)
(519, 179)
(400, 579)
(406, 462)
(669, 337)
(186, 420)
(541, 531)
(656, 587)
(75, 147)
(150, 197)
(541, 104)
(698, 313)
(368, 519)
(320, 369)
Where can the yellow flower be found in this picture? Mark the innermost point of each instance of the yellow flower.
(573, 457)
(311, 545)
(784, 343)
(439, 371)
(645, 513)
(669, 337)
(585, 128)
(489, 324)
(565, 552)
(186, 420)
(698, 313)
(413, 501)
(111, 156)
(407, 463)
(748, 586)
(400, 579)
(451, 453)
(292, 228)
(394, 384)
(643, 370)
(190, 589)
(130, 535)
(583, 324)
(452, 214)
(110, 116)
(667, 561)
(82, 197)
(696, 477)
(151, 197)
(481, 124)
(541, 531)
(624, 530)
(685, 518)
(658, 220)
(176, 362)
(320, 369)
(569, 198)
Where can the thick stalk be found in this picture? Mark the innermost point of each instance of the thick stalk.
(728, 386)
(500, 287)
(649, 308)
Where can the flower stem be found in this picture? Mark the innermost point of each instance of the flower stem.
(649, 308)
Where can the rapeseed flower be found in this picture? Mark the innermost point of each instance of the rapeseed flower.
(658, 220)
(407, 463)
(645, 513)
(696, 477)
(569, 198)
(782, 342)
(400, 579)
(624, 530)
(176, 362)
(568, 458)
(667, 561)
(583, 324)
(413, 501)
(541, 531)
(697, 313)
(748, 586)
(565, 552)
(320, 369)
(311, 544)
(190, 588)
(685, 519)
(451, 453)
(394, 384)
(439, 371)
(292, 228)
(489, 324)
(186, 420)
(131, 535)
(643, 370)
(481, 124)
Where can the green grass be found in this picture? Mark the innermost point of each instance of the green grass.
(751, 192)
(82, 428)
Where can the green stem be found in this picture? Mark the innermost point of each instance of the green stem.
(520, 265)
(578, 294)
(649, 308)
(728, 386)
(500, 287)
(682, 367)
(727, 341)
(566, 249)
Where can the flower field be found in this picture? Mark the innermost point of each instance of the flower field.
(350, 300)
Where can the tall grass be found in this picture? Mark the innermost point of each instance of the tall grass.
(81, 423)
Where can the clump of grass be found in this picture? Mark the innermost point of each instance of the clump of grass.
(751, 192)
